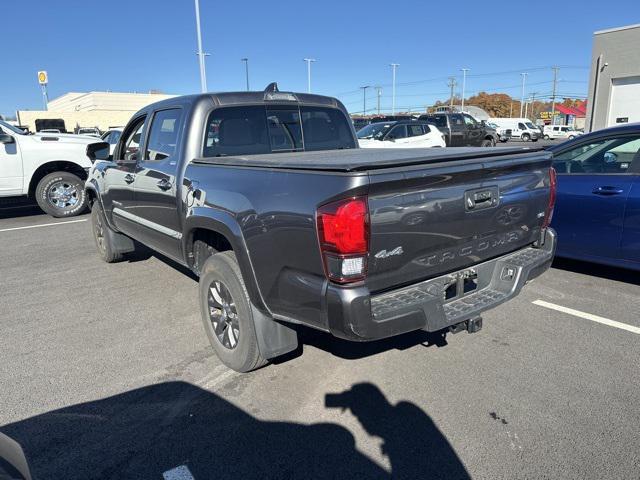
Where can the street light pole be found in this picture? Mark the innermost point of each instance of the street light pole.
(364, 99)
(309, 60)
(201, 54)
(524, 77)
(464, 83)
(246, 70)
(393, 89)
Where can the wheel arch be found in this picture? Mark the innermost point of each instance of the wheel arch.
(221, 231)
(55, 166)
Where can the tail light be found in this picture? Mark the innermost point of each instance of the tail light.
(553, 187)
(343, 232)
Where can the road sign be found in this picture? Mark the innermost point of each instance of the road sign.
(43, 78)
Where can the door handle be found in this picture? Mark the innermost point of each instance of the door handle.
(129, 178)
(164, 184)
(607, 190)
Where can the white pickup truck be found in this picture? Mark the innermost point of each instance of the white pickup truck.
(50, 167)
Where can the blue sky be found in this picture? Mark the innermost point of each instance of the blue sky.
(138, 45)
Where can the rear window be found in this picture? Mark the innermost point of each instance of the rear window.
(260, 129)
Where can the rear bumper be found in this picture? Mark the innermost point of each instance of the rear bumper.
(354, 314)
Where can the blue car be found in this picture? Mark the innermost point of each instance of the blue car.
(597, 212)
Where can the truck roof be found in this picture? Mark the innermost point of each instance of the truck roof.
(364, 159)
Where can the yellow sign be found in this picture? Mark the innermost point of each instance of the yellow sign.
(43, 78)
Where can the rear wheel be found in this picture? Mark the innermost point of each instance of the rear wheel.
(571, 137)
(226, 313)
(526, 137)
(487, 143)
(546, 137)
(61, 194)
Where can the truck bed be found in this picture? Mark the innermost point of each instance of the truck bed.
(363, 159)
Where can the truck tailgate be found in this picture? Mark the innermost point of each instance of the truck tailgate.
(428, 220)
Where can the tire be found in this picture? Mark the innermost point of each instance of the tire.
(487, 143)
(525, 137)
(571, 137)
(103, 236)
(61, 194)
(535, 139)
(504, 141)
(546, 137)
(224, 297)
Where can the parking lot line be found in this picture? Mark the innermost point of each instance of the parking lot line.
(588, 316)
(43, 225)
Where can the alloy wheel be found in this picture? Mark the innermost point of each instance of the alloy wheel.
(223, 315)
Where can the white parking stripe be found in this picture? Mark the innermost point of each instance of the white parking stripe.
(179, 473)
(43, 225)
(588, 316)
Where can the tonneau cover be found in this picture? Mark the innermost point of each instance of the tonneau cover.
(360, 159)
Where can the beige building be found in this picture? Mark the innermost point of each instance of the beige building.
(104, 110)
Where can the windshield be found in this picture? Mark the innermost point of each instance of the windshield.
(375, 130)
(531, 125)
(11, 128)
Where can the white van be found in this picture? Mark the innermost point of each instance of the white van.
(560, 131)
(521, 128)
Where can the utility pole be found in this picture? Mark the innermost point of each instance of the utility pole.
(524, 77)
(246, 70)
(511, 109)
(379, 95)
(553, 95)
(364, 99)
(533, 105)
(309, 61)
(464, 83)
(200, 53)
(393, 88)
(452, 85)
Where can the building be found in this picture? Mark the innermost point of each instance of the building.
(614, 83)
(564, 115)
(91, 109)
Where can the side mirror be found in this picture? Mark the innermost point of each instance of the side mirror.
(610, 157)
(98, 151)
(4, 138)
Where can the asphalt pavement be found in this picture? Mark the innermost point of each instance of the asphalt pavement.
(106, 372)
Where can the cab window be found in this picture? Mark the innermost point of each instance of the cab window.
(130, 148)
(469, 121)
(399, 131)
(163, 135)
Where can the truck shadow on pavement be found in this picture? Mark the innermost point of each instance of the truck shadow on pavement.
(145, 432)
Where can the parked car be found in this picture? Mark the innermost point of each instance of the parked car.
(91, 131)
(50, 167)
(268, 199)
(521, 128)
(504, 134)
(462, 130)
(597, 212)
(400, 134)
(560, 131)
(111, 137)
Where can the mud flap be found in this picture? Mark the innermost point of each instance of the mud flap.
(274, 338)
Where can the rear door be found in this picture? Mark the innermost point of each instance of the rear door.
(155, 207)
(458, 130)
(630, 245)
(417, 136)
(594, 182)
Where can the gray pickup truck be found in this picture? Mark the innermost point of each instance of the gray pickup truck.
(462, 130)
(266, 197)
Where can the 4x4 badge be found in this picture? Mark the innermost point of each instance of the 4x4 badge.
(387, 254)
